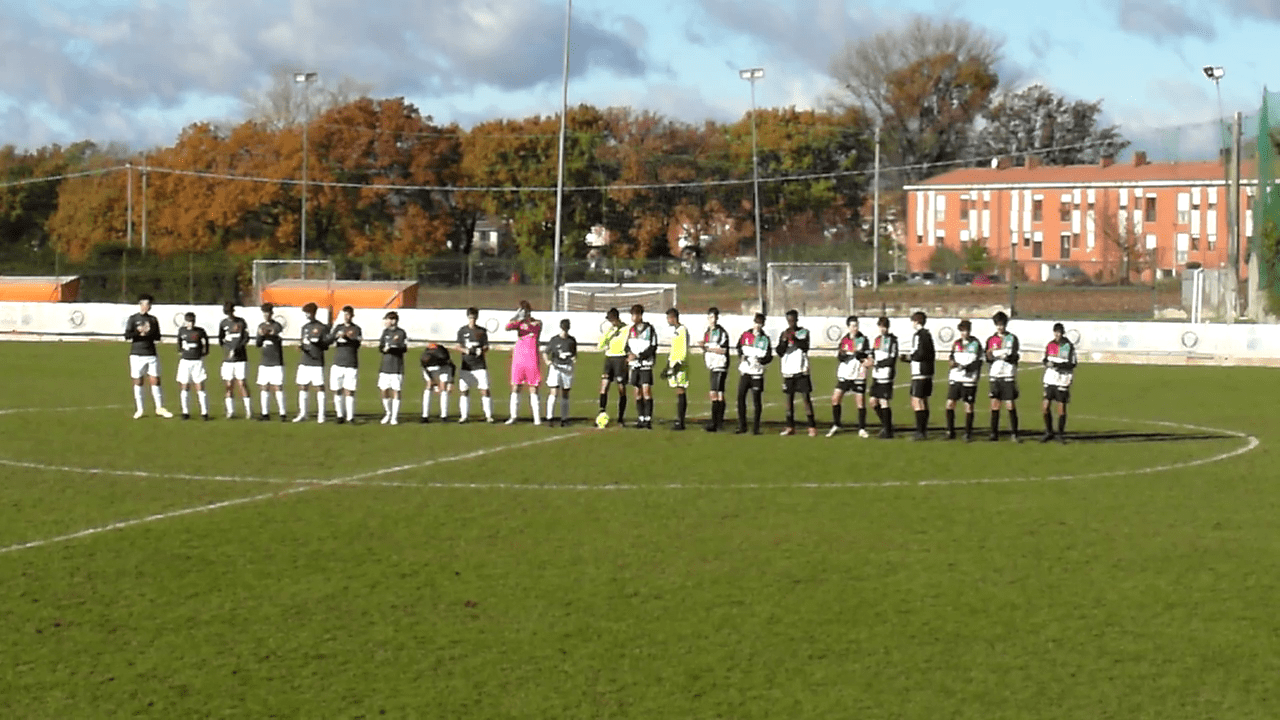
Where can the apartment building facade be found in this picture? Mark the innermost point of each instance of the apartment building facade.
(1099, 222)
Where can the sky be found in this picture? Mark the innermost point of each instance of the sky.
(138, 71)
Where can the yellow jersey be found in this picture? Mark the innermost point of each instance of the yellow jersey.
(679, 346)
(614, 341)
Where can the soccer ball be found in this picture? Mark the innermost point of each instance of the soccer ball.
(602, 420)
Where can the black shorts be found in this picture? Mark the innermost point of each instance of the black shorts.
(615, 369)
(754, 382)
(921, 387)
(718, 378)
(1053, 393)
(957, 392)
(857, 387)
(797, 384)
(1004, 390)
(641, 377)
(882, 391)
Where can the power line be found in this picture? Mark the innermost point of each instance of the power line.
(63, 176)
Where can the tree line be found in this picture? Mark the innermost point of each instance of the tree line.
(386, 182)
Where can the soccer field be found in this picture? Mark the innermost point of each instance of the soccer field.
(244, 569)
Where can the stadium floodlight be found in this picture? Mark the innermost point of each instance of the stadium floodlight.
(751, 75)
(1214, 72)
(304, 79)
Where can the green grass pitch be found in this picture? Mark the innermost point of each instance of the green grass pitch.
(168, 569)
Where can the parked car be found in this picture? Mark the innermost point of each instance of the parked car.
(980, 279)
(895, 278)
(924, 278)
(1067, 275)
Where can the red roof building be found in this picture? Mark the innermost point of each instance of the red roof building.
(1053, 222)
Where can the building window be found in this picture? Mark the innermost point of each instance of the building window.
(940, 209)
(1064, 212)
(1213, 242)
(1195, 242)
(1026, 240)
(1075, 241)
(1065, 249)
(1150, 215)
(1037, 249)
(965, 207)
(919, 239)
(1037, 210)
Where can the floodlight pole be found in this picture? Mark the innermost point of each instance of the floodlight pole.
(304, 79)
(564, 112)
(128, 201)
(751, 75)
(875, 218)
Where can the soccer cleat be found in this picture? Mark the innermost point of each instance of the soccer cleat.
(884, 434)
(341, 420)
(918, 436)
(1048, 437)
(394, 422)
(462, 421)
(832, 432)
(207, 418)
(490, 420)
(968, 437)
(284, 418)
(1015, 438)
(788, 431)
(995, 437)
(949, 436)
(813, 432)
(537, 422)
(510, 421)
(264, 417)
(320, 420)
(710, 427)
(385, 420)
(424, 420)
(163, 413)
(186, 416)
(300, 418)
(137, 415)
(862, 433)
(740, 431)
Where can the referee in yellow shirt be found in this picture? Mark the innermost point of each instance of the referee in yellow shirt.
(614, 344)
(675, 373)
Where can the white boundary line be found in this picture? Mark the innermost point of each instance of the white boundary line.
(301, 486)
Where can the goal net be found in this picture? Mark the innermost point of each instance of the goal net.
(811, 288)
(599, 297)
(284, 281)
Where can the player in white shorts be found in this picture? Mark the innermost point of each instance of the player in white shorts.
(142, 330)
(193, 346)
(310, 373)
(438, 370)
(393, 344)
(473, 343)
(271, 363)
(560, 354)
(233, 336)
(344, 372)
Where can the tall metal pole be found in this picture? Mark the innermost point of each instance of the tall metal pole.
(144, 204)
(564, 112)
(875, 218)
(128, 201)
(1233, 246)
(1013, 269)
(306, 120)
(751, 76)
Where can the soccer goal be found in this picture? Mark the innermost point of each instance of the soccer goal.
(599, 297)
(285, 281)
(811, 288)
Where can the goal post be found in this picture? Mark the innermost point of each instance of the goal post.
(310, 275)
(824, 288)
(599, 297)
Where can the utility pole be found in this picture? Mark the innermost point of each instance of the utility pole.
(128, 201)
(1232, 290)
(875, 218)
(564, 112)
(144, 204)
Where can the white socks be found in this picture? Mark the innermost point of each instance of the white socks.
(351, 407)
(137, 397)
(464, 406)
(279, 403)
(263, 396)
(303, 396)
(426, 403)
(551, 404)
(184, 400)
(444, 405)
(155, 396)
(486, 402)
(204, 401)
(533, 403)
(337, 405)
(395, 409)
(515, 405)
(230, 404)
(320, 405)
(248, 406)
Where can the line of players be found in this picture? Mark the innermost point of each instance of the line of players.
(865, 368)
(629, 359)
(142, 330)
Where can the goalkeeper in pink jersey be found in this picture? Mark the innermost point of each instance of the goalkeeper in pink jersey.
(524, 360)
